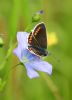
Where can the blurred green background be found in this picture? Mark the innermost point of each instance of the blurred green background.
(16, 15)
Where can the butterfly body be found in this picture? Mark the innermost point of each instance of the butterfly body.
(37, 40)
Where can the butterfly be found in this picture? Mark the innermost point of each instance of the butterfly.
(37, 40)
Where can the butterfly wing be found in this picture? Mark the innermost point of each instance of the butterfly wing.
(38, 51)
(38, 40)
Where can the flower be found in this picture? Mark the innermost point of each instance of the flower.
(52, 39)
(31, 61)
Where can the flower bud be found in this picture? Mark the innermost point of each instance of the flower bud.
(36, 17)
(1, 42)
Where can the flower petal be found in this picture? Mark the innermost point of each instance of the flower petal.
(17, 52)
(31, 72)
(22, 44)
(22, 38)
(41, 66)
(29, 55)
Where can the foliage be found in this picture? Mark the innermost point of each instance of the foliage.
(16, 15)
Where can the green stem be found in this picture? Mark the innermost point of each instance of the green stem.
(6, 76)
(52, 86)
(10, 50)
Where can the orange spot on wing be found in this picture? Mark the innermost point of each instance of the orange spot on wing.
(35, 33)
(30, 49)
(30, 38)
(29, 41)
(39, 28)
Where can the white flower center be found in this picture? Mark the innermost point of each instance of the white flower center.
(25, 60)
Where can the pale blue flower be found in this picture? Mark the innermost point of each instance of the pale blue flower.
(31, 61)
